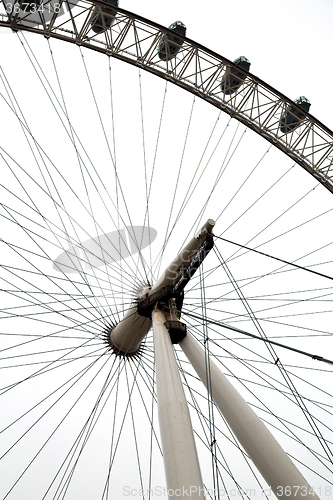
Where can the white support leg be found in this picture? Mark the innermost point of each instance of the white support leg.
(270, 459)
(182, 471)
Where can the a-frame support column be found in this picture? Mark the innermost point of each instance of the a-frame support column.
(182, 471)
(266, 453)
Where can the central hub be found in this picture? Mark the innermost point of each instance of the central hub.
(126, 337)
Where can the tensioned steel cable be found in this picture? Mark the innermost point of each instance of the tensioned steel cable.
(155, 158)
(187, 195)
(59, 235)
(221, 172)
(84, 433)
(134, 428)
(76, 375)
(55, 429)
(284, 422)
(80, 145)
(120, 187)
(277, 271)
(275, 258)
(29, 195)
(167, 235)
(85, 186)
(260, 373)
(95, 414)
(225, 163)
(138, 244)
(292, 264)
(50, 366)
(66, 114)
(141, 366)
(266, 340)
(76, 323)
(209, 386)
(107, 481)
(147, 214)
(226, 160)
(273, 387)
(290, 397)
(262, 275)
(289, 230)
(115, 177)
(205, 425)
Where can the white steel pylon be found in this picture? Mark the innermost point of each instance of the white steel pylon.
(181, 464)
(266, 453)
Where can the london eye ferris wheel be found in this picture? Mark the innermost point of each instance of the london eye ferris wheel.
(147, 179)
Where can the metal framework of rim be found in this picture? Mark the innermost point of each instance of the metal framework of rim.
(195, 68)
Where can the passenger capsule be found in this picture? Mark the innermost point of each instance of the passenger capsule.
(100, 22)
(293, 117)
(170, 45)
(233, 78)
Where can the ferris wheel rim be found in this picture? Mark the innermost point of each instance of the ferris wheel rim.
(298, 146)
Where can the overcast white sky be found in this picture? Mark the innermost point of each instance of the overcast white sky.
(289, 44)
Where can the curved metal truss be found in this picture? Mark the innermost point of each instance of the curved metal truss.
(135, 40)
